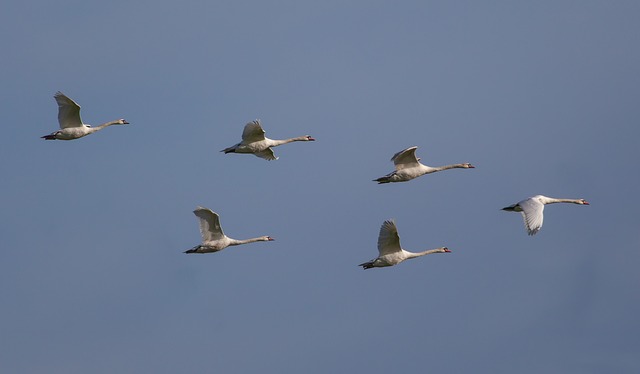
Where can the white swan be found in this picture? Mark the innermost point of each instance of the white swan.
(71, 126)
(533, 207)
(408, 167)
(254, 141)
(390, 252)
(213, 239)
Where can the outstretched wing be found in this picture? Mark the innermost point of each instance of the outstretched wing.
(68, 111)
(267, 154)
(532, 213)
(253, 132)
(209, 224)
(405, 158)
(388, 239)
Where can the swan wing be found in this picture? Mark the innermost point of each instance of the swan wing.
(388, 239)
(267, 154)
(209, 224)
(532, 210)
(405, 158)
(68, 111)
(252, 132)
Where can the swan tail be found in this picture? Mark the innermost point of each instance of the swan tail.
(510, 208)
(391, 177)
(230, 149)
(367, 265)
(193, 250)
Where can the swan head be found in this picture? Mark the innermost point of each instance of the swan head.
(122, 121)
(468, 166)
(309, 138)
(445, 250)
(582, 202)
(268, 239)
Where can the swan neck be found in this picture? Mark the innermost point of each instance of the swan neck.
(552, 200)
(277, 142)
(447, 167)
(423, 253)
(244, 241)
(106, 124)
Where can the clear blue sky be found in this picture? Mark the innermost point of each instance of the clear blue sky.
(542, 97)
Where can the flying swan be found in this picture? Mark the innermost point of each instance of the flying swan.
(213, 238)
(71, 126)
(533, 207)
(254, 141)
(390, 252)
(408, 167)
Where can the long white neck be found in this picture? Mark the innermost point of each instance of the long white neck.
(552, 200)
(100, 127)
(423, 253)
(246, 241)
(446, 167)
(277, 142)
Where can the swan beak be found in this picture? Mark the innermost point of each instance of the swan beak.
(447, 250)
(271, 239)
(471, 166)
(125, 122)
(310, 139)
(585, 203)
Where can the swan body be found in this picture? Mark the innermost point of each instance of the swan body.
(254, 141)
(533, 207)
(71, 126)
(390, 252)
(213, 238)
(408, 167)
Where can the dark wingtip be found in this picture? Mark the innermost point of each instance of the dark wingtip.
(192, 250)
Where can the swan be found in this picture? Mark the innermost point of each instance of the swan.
(71, 126)
(533, 207)
(390, 252)
(408, 167)
(254, 141)
(213, 238)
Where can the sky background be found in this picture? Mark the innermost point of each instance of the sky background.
(542, 97)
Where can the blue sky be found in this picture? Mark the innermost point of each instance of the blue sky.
(541, 97)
